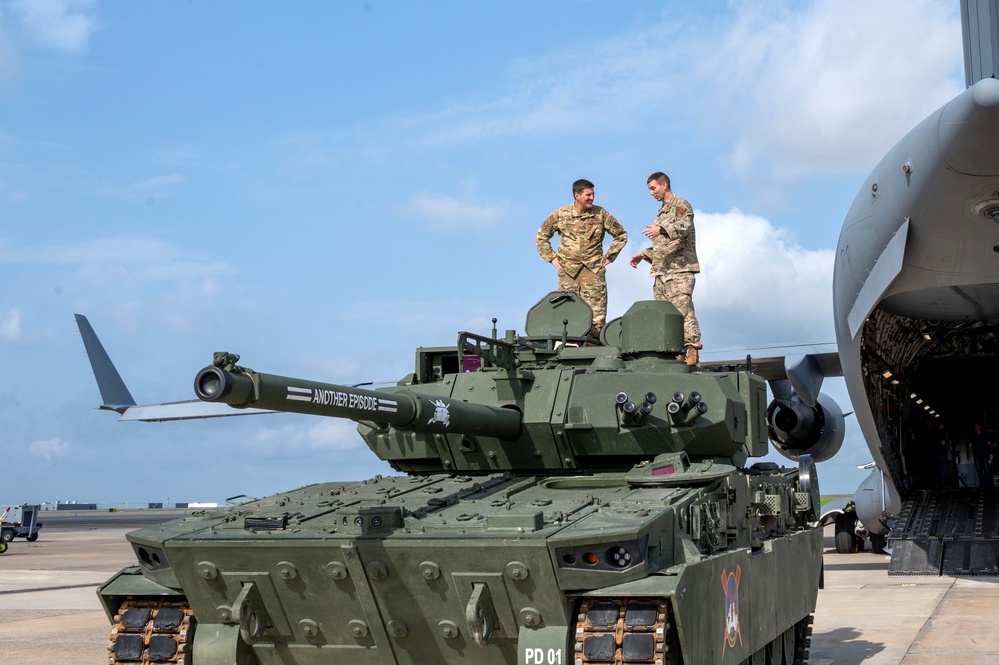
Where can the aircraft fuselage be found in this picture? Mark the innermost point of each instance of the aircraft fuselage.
(916, 295)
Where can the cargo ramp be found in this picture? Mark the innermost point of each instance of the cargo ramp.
(948, 532)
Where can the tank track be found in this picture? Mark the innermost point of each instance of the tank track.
(632, 630)
(152, 631)
(639, 631)
(803, 640)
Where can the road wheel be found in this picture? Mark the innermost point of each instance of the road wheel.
(7, 535)
(3, 546)
(789, 637)
(776, 651)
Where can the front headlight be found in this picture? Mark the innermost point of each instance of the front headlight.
(612, 556)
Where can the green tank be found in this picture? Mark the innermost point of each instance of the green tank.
(561, 500)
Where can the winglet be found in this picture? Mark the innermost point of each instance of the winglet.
(113, 390)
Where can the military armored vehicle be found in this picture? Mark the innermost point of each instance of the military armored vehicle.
(561, 500)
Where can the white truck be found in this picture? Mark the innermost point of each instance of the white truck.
(18, 521)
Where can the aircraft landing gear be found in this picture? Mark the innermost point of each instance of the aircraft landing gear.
(846, 540)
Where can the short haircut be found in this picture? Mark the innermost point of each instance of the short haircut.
(659, 177)
(580, 185)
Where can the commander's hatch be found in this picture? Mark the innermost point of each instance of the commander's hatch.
(559, 316)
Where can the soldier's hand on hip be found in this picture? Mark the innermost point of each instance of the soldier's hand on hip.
(557, 264)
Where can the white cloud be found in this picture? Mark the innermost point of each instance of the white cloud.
(602, 86)
(745, 256)
(50, 450)
(830, 86)
(61, 25)
(445, 213)
(144, 274)
(795, 89)
(756, 286)
(10, 326)
(298, 440)
(9, 60)
(111, 257)
(142, 190)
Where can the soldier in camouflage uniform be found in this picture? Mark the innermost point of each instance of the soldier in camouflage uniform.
(674, 258)
(581, 261)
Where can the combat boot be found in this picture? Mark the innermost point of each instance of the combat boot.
(692, 359)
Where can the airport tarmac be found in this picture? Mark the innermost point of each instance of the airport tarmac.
(49, 613)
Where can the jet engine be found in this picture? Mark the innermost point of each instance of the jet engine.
(796, 428)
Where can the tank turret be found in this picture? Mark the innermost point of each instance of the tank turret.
(551, 400)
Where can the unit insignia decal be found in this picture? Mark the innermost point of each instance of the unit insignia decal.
(733, 631)
(442, 413)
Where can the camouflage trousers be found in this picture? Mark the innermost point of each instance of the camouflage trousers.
(592, 288)
(677, 288)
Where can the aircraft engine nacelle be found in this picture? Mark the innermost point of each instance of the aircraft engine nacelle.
(875, 500)
(796, 428)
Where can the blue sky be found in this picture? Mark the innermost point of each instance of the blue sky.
(321, 187)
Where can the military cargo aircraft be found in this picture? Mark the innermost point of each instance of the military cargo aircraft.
(916, 307)
(916, 300)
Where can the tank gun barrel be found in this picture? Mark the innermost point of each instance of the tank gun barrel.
(240, 387)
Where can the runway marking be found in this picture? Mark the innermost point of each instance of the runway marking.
(50, 588)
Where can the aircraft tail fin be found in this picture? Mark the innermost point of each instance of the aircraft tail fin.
(117, 398)
(113, 390)
(980, 26)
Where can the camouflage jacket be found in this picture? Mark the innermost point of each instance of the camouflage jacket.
(673, 251)
(581, 238)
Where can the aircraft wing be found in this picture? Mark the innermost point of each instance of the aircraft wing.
(117, 397)
(769, 361)
(193, 409)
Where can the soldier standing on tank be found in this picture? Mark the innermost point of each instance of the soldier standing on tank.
(581, 261)
(673, 256)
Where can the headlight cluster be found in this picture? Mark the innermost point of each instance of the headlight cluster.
(150, 558)
(378, 521)
(603, 556)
